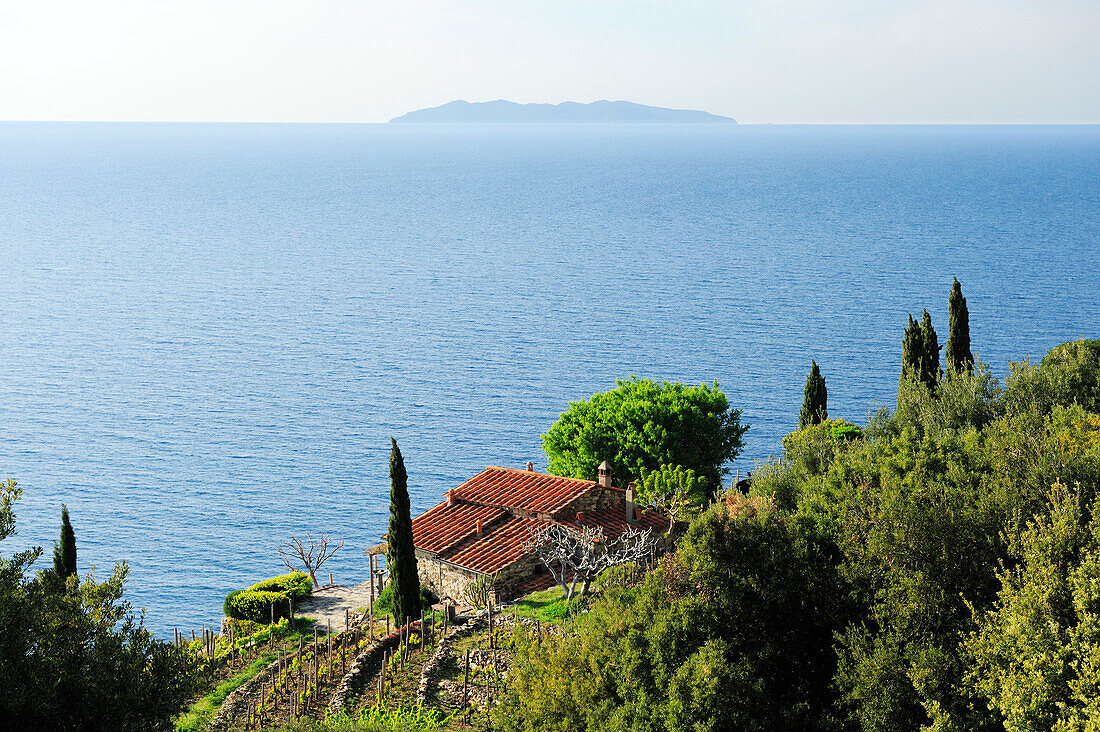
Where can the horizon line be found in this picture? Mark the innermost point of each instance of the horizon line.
(550, 124)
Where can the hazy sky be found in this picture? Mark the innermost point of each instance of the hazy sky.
(368, 60)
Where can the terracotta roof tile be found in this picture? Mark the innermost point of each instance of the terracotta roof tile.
(443, 526)
(613, 521)
(496, 548)
(522, 490)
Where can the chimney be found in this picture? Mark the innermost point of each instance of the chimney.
(604, 474)
(631, 496)
(479, 527)
(451, 500)
(530, 467)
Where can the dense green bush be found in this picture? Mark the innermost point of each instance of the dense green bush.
(227, 605)
(257, 605)
(383, 604)
(296, 585)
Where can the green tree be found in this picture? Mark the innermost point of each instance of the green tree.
(732, 632)
(672, 489)
(642, 424)
(74, 657)
(930, 363)
(912, 351)
(1068, 374)
(400, 551)
(958, 355)
(64, 552)
(1036, 652)
(815, 397)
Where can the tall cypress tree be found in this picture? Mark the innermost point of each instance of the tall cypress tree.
(958, 355)
(400, 552)
(930, 364)
(64, 551)
(815, 398)
(912, 350)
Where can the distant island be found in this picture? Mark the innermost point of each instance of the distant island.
(601, 112)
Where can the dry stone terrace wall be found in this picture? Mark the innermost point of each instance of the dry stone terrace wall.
(365, 664)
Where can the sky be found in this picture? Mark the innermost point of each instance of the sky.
(760, 61)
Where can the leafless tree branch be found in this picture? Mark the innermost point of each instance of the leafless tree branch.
(309, 552)
(579, 555)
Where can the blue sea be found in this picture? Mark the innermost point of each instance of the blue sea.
(208, 333)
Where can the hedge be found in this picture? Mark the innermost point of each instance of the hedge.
(296, 584)
(257, 605)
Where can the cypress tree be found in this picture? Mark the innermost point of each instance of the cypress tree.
(400, 552)
(814, 399)
(912, 350)
(64, 551)
(958, 355)
(930, 364)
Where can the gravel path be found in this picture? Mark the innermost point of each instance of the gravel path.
(330, 602)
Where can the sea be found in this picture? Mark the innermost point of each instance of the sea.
(210, 332)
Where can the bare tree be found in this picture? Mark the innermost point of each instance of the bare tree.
(580, 555)
(310, 552)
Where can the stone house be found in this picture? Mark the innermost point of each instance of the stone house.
(483, 526)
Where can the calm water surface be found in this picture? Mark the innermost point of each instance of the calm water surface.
(210, 332)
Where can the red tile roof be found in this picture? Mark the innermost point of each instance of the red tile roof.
(495, 549)
(482, 531)
(613, 521)
(443, 526)
(522, 490)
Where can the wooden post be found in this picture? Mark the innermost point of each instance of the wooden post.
(330, 579)
(465, 677)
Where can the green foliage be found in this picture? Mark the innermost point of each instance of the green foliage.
(1068, 374)
(479, 591)
(923, 510)
(227, 604)
(912, 351)
(957, 354)
(376, 719)
(277, 593)
(1036, 651)
(257, 605)
(73, 655)
(296, 585)
(548, 606)
(384, 602)
(720, 636)
(920, 353)
(64, 552)
(643, 425)
(672, 489)
(930, 365)
(815, 398)
(198, 716)
(400, 551)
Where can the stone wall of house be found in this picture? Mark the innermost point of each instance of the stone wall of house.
(511, 577)
(594, 500)
(445, 580)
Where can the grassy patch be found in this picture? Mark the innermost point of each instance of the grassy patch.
(548, 606)
(202, 711)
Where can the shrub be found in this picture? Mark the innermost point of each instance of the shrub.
(257, 605)
(296, 585)
(227, 606)
(479, 591)
(383, 604)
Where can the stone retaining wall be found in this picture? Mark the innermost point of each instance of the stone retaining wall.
(364, 664)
